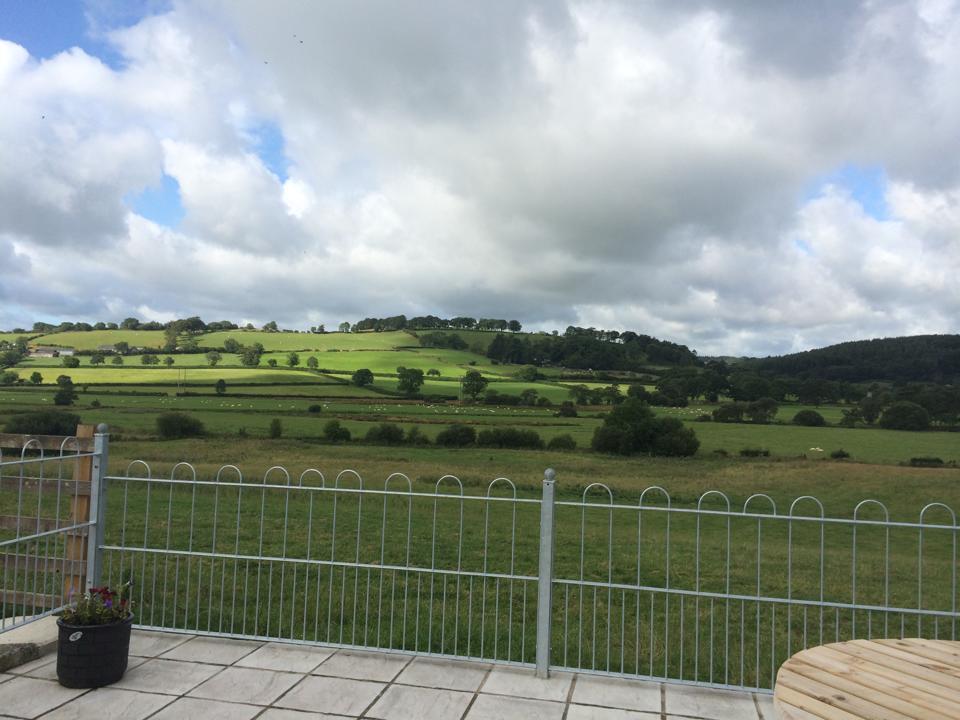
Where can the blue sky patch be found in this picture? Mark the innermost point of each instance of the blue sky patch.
(269, 146)
(866, 184)
(48, 27)
(160, 204)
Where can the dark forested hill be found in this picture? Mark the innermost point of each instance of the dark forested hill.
(922, 358)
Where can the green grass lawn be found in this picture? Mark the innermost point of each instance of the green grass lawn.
(95, 338)
(376, 532)
(450, 363)
(311, 341)
(13, 337)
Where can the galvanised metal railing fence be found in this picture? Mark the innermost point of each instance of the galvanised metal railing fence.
(49, 503)
(642, 585)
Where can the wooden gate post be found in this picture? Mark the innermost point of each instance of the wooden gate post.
(76, 541)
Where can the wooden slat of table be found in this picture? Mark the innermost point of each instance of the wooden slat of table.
(911, 656)
(879, 680)
(830, 695)
(892, 694)
(950, 657)
(828, 657)
(788, 703)
(876, 657)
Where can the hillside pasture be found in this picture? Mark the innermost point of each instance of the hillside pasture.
(95, 338)
(450, 363)
(305, 341)
(13, 337)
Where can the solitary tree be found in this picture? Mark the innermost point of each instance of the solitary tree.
(213, 357)
(231, 346)
(96, 358)
(631, 427)
(117, 360)
(65, 394)
(69, 361)
(312, 363)
(905, 415)
(293, 359)
(221, 386)
(474, 384)
(411, 379)
(344, 327)
(362, 377)
(168, 361)
(36, 378)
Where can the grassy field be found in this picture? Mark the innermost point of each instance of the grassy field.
(352, 605)
(95, 338)
(343, 604)
(13, 337)
(311, 341)
(450, 363)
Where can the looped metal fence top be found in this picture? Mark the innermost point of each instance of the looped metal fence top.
(709, 589)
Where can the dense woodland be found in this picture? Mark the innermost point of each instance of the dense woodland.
(917, 358)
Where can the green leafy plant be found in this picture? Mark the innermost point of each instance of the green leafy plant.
(100, 606)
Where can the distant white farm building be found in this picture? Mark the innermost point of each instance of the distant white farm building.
(43, 351)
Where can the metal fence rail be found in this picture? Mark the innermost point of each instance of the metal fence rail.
(640, 586)
(44, 498)
(721, 595)
(339, 563)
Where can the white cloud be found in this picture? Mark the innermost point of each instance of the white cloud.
(599, 163)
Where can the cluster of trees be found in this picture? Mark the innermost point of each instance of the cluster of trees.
(450, 341)
(130, 323)
(12, 352)
(432, 322)
(584, 350)
(918, 358)
(763, 410)
(631, 428)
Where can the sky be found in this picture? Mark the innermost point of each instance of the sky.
(745, 178)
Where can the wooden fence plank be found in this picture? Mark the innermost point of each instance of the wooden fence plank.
(13, 562)
(48, 486)
(47, 442)
(76, 548)
(29, 599)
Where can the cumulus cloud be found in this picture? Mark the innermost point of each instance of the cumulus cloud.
(652, 167)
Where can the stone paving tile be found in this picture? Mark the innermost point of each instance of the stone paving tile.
(765, 703)
(590, 712)
(281, 656)
(502, 707)
(617, 693)
(171, 677)
(45, 668)
(217, 651)
(403, 702)
(246, 685)
(34, 665)
(283, 714)
(187, 708)
(29, 697)
(521, 682)
(109, 702)
(382, 667)
(709, 703)
(147, 643)
(338, 696)
(447, 674)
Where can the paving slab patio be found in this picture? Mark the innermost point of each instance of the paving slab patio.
(176, 675)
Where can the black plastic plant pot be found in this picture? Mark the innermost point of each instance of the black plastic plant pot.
(90, 656)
